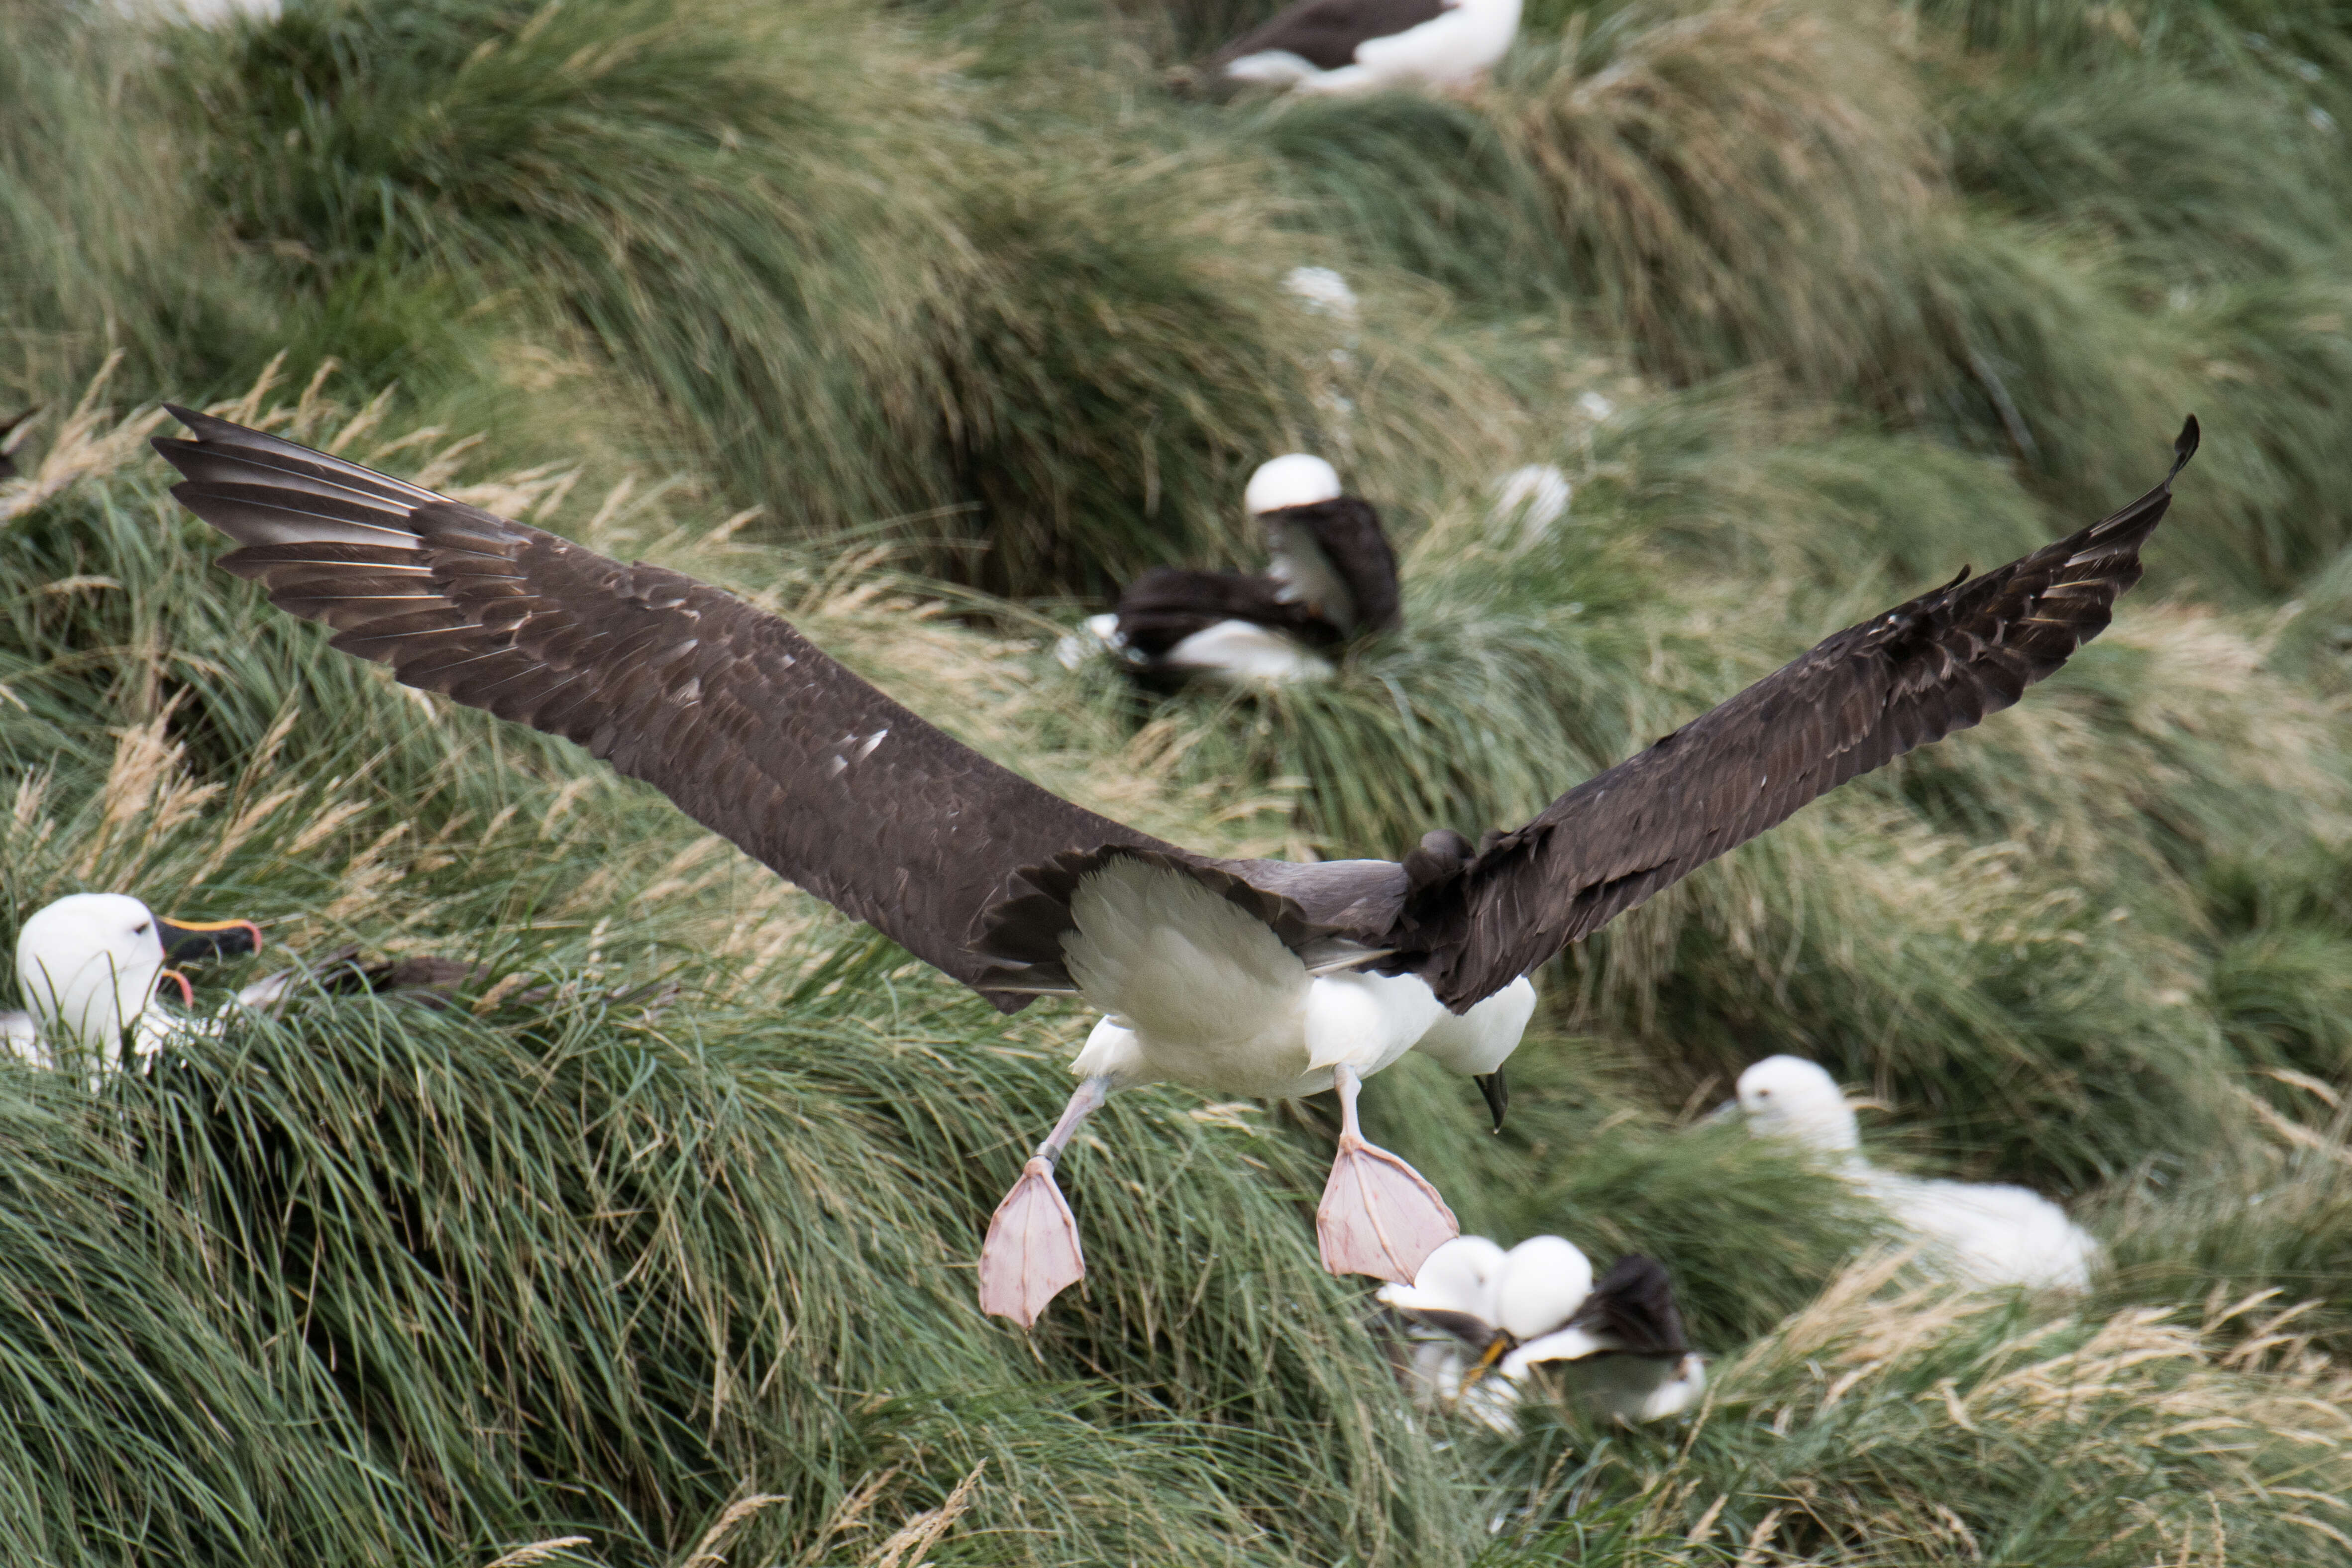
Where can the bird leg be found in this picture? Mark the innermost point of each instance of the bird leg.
(1378, 1216)
(1032, 1254)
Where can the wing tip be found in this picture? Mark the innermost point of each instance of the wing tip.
(2184, 446)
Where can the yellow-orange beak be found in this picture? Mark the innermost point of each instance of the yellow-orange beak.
(187, 991)
(1496, 1349)
(184, 939)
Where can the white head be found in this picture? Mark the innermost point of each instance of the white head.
(1544, 1279)
(88, 965)
(1295, 479)
(1788, 1097)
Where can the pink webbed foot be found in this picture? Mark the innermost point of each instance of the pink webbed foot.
(1378, 1216)
(1031, 1253)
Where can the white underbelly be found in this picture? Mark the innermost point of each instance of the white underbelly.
(1359, 1021)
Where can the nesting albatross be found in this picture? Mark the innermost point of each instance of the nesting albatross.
(1364, 46)
(1238, 977)
(1330, 578)
(89, 965)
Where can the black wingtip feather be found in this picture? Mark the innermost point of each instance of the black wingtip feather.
(2184, 447)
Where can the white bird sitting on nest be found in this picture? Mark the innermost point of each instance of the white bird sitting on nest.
(1331, 577)
(1366, 46)
(1985, 1235)
(1479, 1309)
(89, 965)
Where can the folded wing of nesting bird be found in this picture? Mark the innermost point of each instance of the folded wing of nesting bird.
(1626, 1342)
(424, 978)
(1238, 977)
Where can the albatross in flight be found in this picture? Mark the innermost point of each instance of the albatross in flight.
(1237, 976)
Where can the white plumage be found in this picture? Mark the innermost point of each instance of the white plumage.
(1195, 991)
(1489, 1318)
(1455, 48)
(87, 967)
(1985, 1235)
(1246, 652)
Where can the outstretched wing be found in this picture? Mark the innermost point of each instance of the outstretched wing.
(1861, 699)
(751, 729)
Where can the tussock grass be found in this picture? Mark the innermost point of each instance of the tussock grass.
(654, 1250)
(1904, 1426)
(637, 1267)
(1047, 355)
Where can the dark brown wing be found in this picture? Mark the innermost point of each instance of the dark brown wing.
(729, 712)
(1862, 698)
(1475, 1333)
(1168, 604)
(1633, 1306)
(1325, 33)
(1346, 533)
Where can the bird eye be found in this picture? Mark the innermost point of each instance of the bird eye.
(140, 929)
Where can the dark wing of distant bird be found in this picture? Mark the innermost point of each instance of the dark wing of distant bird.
(1633, 1306)
(750, 728)
(1168, 604)
(1862, 698)
(1340, 542)
(1475, 1331)
(1325, 33)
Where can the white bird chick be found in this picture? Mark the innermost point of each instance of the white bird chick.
(1984, 1236)
(1790, 1098)
(88, 966)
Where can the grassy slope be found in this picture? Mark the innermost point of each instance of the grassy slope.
(600, 1257)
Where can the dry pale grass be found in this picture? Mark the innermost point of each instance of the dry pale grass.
(1879, 1424)
(1743, 180)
